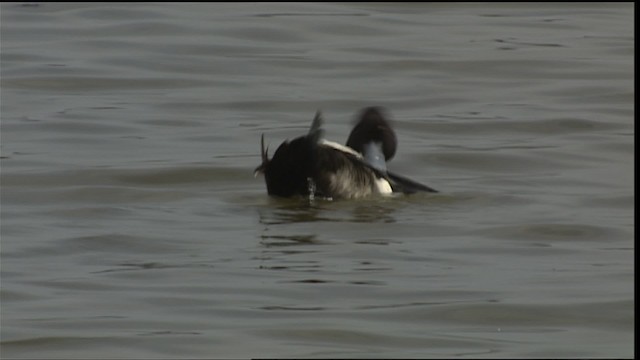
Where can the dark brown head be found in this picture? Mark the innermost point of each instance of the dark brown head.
(373, 126)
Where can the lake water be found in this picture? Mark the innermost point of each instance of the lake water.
(132, 225)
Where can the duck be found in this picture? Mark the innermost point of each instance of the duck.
(311, 166)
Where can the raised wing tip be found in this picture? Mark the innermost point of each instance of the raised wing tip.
(317, 122)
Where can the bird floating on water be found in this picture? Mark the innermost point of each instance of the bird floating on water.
(311, 166)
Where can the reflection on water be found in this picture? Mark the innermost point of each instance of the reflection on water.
(287, 240)
(284, 223)
(300, 210)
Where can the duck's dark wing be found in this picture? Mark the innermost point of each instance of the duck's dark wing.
(360, 167)
(374, 158)
(398, 183)
(406, 185)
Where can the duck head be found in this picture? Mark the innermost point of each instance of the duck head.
(373, 128)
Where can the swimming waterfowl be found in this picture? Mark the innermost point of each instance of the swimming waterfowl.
(312, 166)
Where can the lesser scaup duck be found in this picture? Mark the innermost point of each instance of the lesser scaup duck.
(312, 166)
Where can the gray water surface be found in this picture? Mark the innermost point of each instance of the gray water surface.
(132, 225)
